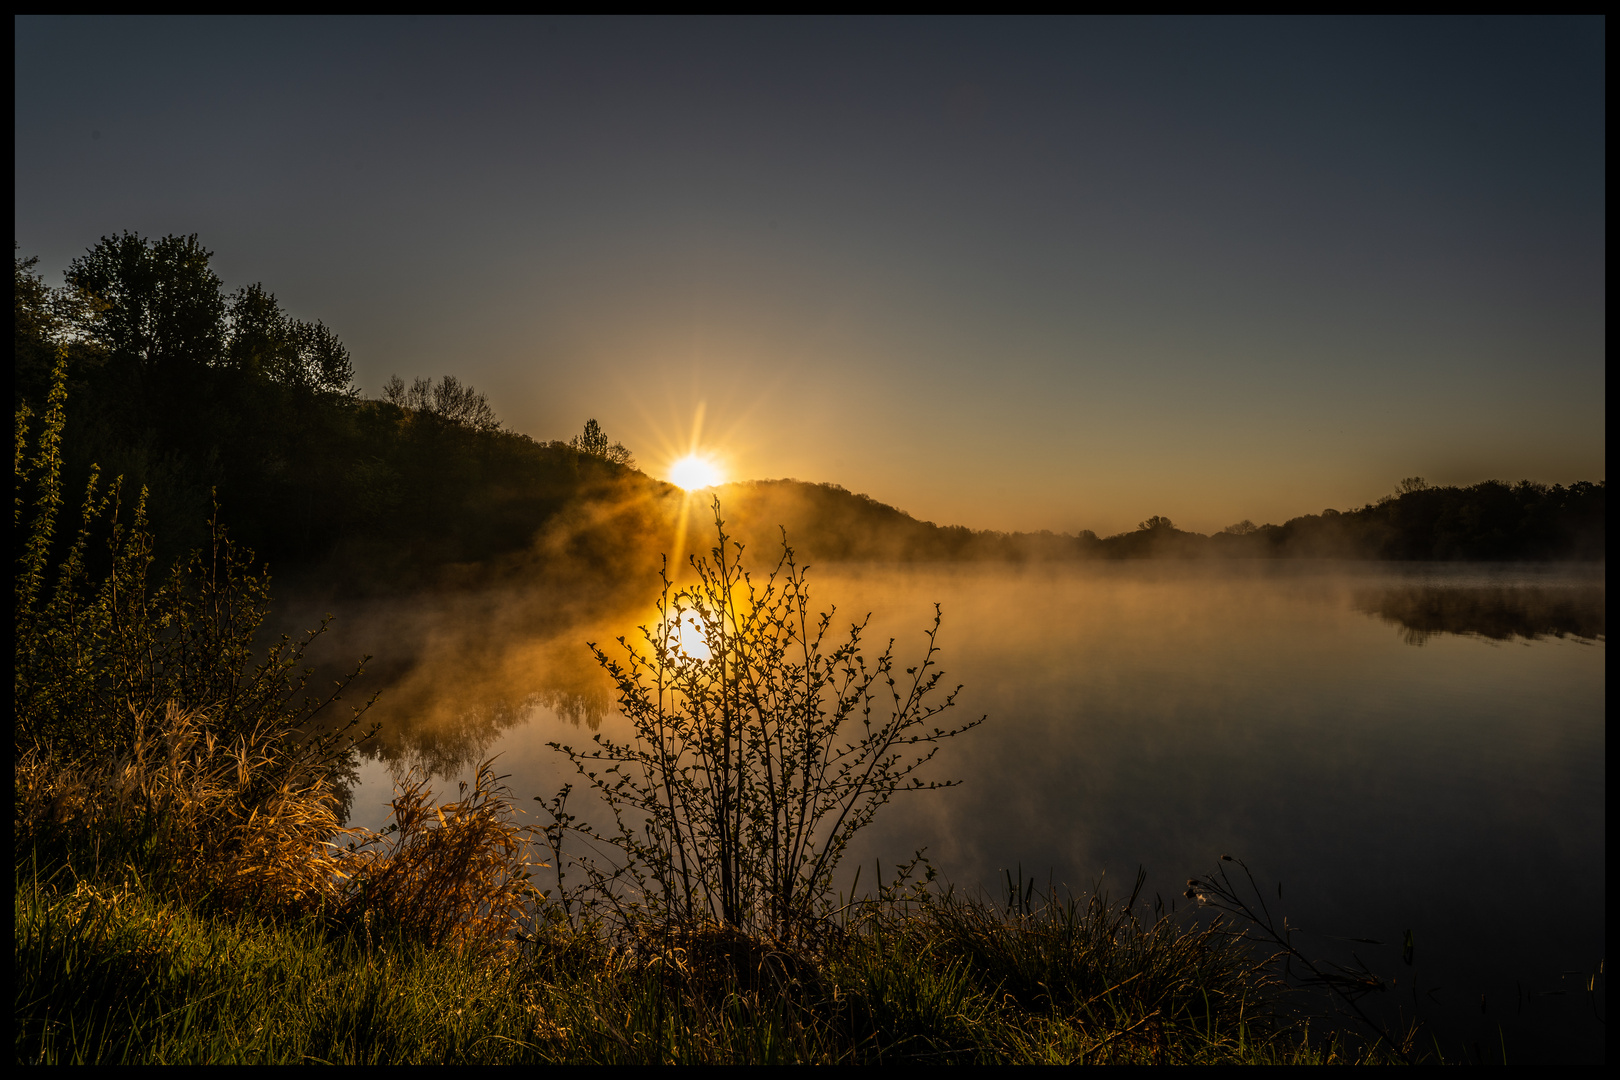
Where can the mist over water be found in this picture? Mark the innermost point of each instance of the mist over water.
(1401, 746)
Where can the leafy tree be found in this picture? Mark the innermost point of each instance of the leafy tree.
(161, 308)
(266, 343)
(1154, 523)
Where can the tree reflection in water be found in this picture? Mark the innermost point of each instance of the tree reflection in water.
(1498, 613)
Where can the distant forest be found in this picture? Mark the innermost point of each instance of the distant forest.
(1488, 521)
(200, 395)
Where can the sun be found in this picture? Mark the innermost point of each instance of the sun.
(695, 471)
(688, 637)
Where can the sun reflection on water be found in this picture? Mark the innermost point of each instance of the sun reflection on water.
(687, 635)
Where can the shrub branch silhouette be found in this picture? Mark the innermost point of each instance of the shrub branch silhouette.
(763, 743)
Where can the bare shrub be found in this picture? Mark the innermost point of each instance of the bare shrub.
(764, 743)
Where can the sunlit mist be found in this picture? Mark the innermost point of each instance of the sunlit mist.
(695, 471)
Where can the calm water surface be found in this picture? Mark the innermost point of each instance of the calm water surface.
(1402, 748)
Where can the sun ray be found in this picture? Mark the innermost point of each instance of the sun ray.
(695, 471)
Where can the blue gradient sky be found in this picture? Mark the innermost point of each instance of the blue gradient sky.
(1008, 274)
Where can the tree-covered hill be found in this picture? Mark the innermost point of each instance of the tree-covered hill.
(200, 395)
(195, 395)
(1487, 521)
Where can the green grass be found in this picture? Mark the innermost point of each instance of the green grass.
(118, 975)
(108, 971)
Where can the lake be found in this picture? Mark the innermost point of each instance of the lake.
(1401, 747)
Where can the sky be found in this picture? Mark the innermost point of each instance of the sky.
(1010, 274)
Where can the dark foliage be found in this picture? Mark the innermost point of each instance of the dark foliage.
(1492, 612)
(187, 391)
(195, 395)
(1488, 521)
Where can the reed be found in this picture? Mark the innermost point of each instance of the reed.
(150, 740)
(239, 819)
(457, 873)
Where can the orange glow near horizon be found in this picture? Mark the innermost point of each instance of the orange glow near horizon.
(695, 471)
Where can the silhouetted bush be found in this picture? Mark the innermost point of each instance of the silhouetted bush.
(763, 743)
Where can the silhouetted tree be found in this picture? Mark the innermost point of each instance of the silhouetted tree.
(449, 400)
(266, 343)
(159, 305)
(43, 322)
(594, 442)
(33, 325)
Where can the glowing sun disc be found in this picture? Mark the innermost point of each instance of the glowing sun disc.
(692, 472)
(687, 636)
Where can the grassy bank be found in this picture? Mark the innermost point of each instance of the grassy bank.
(109, 968)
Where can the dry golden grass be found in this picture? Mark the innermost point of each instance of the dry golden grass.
(242, 820)
(250, 825)
(452, 873)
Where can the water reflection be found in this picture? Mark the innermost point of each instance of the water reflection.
(454, 674)
(1498, 613)
(1158, 715)
(580, 707)
(443, 716)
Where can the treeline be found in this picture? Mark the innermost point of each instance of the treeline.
(1492, 520)
(1487, 521)
(198, 395)
(205, 397)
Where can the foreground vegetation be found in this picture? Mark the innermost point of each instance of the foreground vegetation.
(109, 968)
(185, 890)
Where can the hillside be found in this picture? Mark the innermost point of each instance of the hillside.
(1487, 521)
(208, 400)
